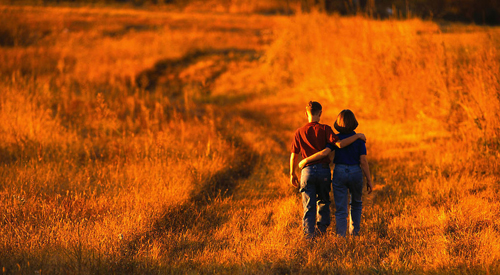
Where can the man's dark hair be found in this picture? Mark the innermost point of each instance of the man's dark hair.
(314, 107)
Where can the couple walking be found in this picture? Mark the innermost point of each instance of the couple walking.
(314, 142)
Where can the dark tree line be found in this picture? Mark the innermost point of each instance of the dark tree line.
(477, 11)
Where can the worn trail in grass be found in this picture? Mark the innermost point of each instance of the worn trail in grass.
(152, 142)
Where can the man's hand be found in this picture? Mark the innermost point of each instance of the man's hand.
(361, 136)
(294, 180)
(293, 163)
(302, 163)
(369, 187)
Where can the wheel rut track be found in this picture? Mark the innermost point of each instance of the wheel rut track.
(195, 212)
(170, 72)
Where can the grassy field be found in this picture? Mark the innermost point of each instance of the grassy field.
(152, 142)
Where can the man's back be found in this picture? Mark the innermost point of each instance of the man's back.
(315, 179)
(312, 138)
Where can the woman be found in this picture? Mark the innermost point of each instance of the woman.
(350, 164)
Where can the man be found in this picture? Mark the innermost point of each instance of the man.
(316, 176)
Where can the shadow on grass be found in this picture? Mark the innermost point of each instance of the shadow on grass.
(199, 215)
(210, 64)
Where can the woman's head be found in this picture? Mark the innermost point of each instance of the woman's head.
(346, 122)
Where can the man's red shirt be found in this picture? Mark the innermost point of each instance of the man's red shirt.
(311, 139)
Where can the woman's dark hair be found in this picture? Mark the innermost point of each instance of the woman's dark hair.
(346, 122)
(314, 107)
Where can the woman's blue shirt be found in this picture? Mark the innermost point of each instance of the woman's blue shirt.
(350, 154)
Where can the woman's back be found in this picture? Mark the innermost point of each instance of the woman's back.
(350, 155)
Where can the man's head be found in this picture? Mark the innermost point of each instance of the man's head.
(346, 122)
(313, 110)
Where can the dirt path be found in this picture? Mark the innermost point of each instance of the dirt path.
(202, 69)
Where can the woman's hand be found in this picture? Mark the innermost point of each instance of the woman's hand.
(369, 186)
(302, 163)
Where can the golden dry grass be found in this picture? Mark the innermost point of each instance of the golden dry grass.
(116, 159)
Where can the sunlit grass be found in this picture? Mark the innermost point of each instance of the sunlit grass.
(100, 174)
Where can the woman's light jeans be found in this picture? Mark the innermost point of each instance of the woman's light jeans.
(347, 179)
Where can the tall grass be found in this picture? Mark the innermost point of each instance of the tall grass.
(100, 174)
(428, 102)
(395, 70)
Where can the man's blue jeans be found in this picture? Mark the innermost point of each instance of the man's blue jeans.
(347, 179)
(315, 185)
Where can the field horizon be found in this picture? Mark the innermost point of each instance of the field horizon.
(152, 142)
